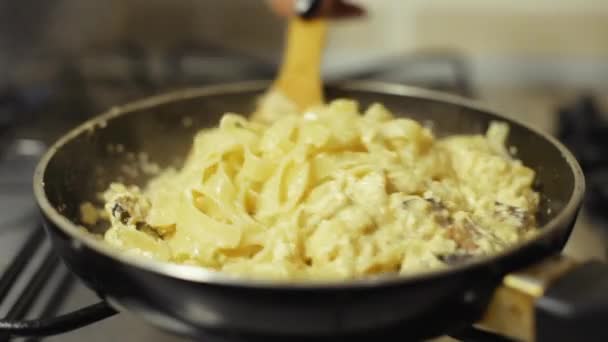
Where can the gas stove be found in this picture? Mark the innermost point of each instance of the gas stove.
(34, 111)
(582, 126)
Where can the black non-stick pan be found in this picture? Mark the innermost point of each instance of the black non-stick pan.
(552, 301)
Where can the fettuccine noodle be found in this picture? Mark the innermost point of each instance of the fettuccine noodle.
(328, 194)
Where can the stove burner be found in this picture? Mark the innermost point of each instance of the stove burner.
(582, 126)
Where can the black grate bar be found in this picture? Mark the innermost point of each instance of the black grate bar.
(52, 306)
(29, 295)
(28, 298)
(57, 325)
(32, 290)
(18, 264)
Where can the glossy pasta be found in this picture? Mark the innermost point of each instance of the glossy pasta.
(327, 194)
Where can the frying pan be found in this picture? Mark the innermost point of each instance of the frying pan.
(527, 292)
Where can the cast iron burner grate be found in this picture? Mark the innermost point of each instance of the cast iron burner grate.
(14, 323)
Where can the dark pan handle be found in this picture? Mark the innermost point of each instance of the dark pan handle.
(307, 9)
(575, 306)
(56, 325)
(556, 300)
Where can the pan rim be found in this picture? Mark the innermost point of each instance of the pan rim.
(201, 275)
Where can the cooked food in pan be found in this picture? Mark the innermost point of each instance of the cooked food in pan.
(332, 193)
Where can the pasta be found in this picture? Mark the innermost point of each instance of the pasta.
(329, 194)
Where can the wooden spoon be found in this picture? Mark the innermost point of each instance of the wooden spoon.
(299, 77)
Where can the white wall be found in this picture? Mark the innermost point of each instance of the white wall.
(532, 42)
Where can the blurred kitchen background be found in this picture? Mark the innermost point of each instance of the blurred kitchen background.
(519, 55)
(62, 61)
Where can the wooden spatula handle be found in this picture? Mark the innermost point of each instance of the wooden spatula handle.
(300, 76)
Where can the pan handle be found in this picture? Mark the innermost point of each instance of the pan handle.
(57, 325)
(556, 300)
(307, 9)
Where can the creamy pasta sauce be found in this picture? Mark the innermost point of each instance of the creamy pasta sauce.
(332, 193)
